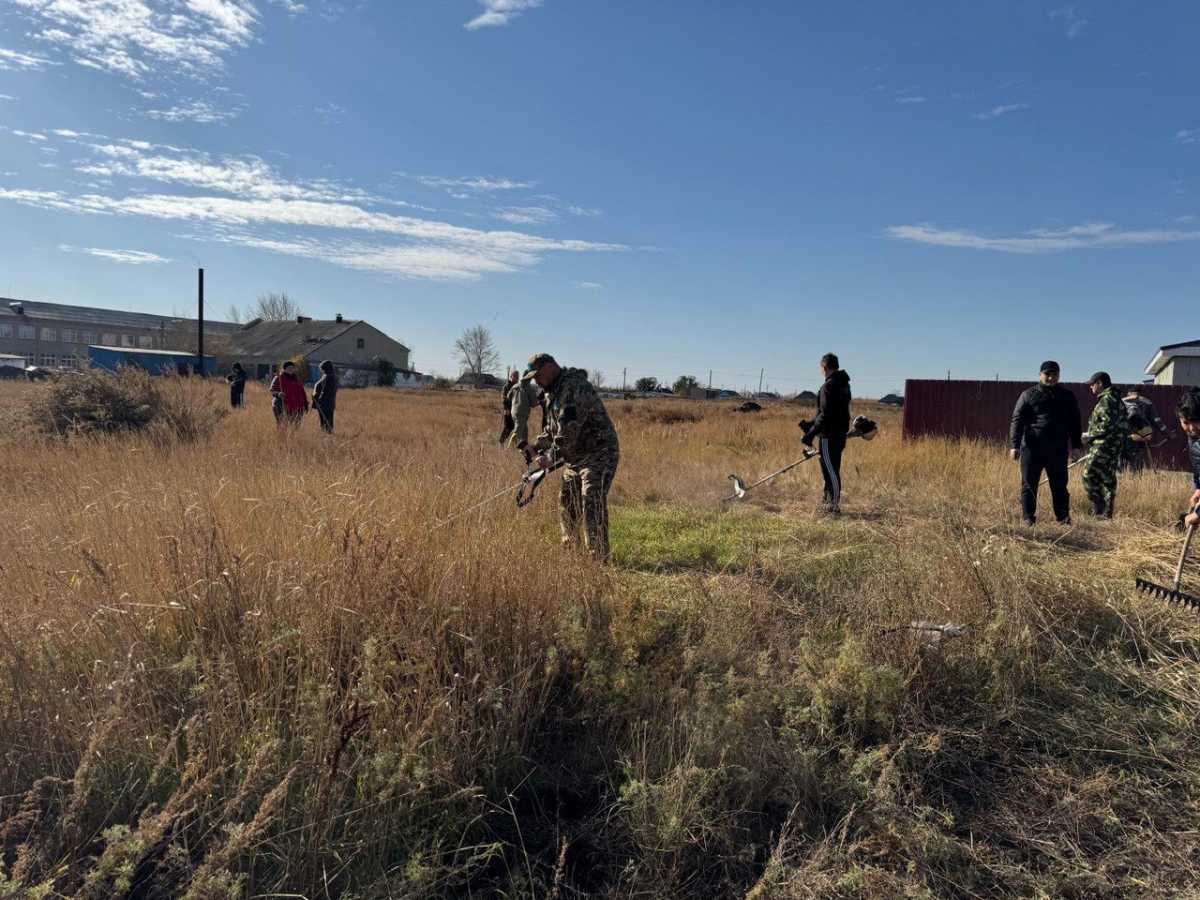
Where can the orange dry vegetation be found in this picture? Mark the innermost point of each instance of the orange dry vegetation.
(256, 664)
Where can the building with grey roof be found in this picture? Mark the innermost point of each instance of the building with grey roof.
(350, 344)
(57, 335)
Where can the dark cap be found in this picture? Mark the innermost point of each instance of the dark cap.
(1049, 366)
(1102, 377)
(536, 362)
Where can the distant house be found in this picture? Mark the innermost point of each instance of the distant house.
(352, 346)
(805, 396)
(892, 400)
(11, 359)
(481, 382)
(1176, 364)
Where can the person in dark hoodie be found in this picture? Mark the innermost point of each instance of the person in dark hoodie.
(237, 385)
(289, 400)
(829, 429)
(1188, 412)
(1045, 428)
(325, 396)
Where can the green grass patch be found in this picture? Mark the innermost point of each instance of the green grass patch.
(663, 537)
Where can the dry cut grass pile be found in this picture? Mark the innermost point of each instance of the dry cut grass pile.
(240, 663)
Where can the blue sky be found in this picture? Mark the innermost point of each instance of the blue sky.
(667, 187)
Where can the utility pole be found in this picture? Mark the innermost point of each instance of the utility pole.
(710, 379)
(624, 372)
(761, 372)
(200, 324)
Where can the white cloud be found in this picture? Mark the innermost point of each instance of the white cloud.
(128, 257)
(589, 285)
(1074, 23)
(11, 59)
(1188, 136)
(526, 215)
(7, 97)
(910, 99)
(997, 111)
(135, 37)
(31, 136)
(200, 111)
(584, 211)
(1041, 240)
(500, 12)
(477, 184)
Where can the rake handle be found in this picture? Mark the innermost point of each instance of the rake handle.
(1187, 542)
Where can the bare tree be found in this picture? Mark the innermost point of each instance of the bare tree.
(276, 307)
(234, 315)
(597, 379)
(476, 351)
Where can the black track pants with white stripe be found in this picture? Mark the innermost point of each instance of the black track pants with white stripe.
(831, 468)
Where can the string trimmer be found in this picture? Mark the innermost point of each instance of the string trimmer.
(861, 427)
(526, 490)
(1070, 466)
(1173, 594)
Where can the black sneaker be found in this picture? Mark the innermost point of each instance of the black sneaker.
(1029, 523)
(1066, 521)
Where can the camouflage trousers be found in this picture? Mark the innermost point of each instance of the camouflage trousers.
(583, 501)
(1100, 479)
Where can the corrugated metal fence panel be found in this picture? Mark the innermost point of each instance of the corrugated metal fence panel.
(983, 410)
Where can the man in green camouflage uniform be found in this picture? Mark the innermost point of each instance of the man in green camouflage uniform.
(1108, 429)
(578, 433)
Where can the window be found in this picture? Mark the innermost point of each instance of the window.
(49, 334)
(26, 333)
(87, 337)
(70, 362)
(109, 339)
(361, 344)
(68, 336)
(49, 360)
(145, 341)
(5, 330)
(30, 359)
(127, 340)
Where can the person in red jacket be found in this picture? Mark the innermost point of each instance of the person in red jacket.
(289, 400)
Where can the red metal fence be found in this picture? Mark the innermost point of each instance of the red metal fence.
(983, 409)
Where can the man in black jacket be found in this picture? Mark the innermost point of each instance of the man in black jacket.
(829, 428)
(1045, 428)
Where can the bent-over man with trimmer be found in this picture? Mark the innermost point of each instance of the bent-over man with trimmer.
(579, 434)
(1045, 428)
(829, 429)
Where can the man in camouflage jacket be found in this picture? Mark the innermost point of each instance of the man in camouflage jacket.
(578, 433)
(1108, 429)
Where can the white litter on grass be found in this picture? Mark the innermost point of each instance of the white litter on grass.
(934, 632)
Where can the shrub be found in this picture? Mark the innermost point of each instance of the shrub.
(97, 402)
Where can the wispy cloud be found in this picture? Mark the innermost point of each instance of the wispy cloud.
(7, 97)
(526, 215)
(127, 257)
(997, 111)
(1042, 240)
(589, 285)
(1071, 19)
(910, 99)
(1188, 136)
(11, 59)
(584, 211)
(500, 12)
(245, 201)
(199, 111)
(31, 136)
(136, 37)
(472, 184)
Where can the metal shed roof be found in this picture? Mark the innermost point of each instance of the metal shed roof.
(99, 317)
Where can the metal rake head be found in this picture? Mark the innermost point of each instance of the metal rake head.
(1171, 595)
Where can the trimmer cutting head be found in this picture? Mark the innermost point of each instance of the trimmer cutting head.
(864, 428)
(739, 487)
(1171, 595)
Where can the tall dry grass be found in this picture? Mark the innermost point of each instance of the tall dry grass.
(260, 665)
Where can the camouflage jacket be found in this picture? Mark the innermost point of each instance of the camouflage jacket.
(523, 398)
(577, 425)
(1109, 424)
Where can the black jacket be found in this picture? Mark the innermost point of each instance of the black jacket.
(325, 392)
(1194, 456)
(1046, 418)
(833, 408)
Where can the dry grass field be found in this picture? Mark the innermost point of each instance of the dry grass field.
(255, 664)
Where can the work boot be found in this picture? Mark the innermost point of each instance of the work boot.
(1028, 522)
(1066, 521)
